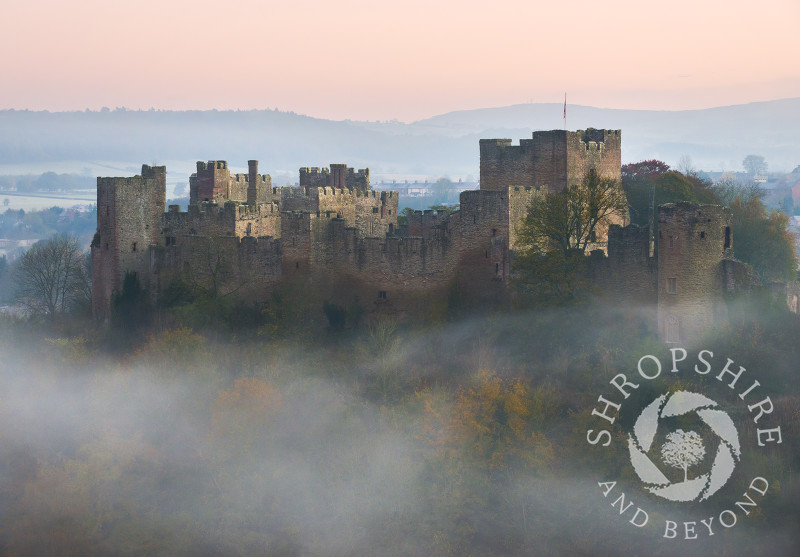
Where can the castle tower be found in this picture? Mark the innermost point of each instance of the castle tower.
(210, 183)
(555, 159)
(129, 216)
(338, 176)
(693, 240)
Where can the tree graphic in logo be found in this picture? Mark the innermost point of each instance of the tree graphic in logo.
(682, 450)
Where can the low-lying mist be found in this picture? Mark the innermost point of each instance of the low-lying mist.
(464, 438)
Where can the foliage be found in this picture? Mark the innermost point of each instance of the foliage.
(402, 216)
(654, 181)
(493, 423)
(130, 307)
(342, 317)
(553, 278)
(727, 191)
(17, 225)
(476, 448)
(643, 169)
(53, 277)
(763, 239)
(570, 219)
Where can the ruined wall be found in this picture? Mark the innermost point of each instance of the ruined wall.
(503, 164)
(481, 229)
(129, 218)
(427, 224)
(592, 148)
(372, 213)
(214, 182)
(385, 275)
(554, 159)
(629, 275)
(692, 240)
(259, 186)
(339, 176)
(519, 199)
(550, 159)
(248, 266)
(376, 213)
(210, 183)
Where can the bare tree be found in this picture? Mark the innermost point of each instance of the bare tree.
(569, 220)
(755, 164)
(52, 277)
(683, 449)
(685, 166)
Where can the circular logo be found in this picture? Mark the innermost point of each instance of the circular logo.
(683, 449)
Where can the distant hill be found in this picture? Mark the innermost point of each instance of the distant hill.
(715, 138)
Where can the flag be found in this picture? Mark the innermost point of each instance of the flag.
(565, 106)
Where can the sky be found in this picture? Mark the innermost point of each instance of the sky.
(371, 60)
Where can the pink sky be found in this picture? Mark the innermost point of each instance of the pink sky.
(407, 60)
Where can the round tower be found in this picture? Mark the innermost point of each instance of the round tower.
(692, 242)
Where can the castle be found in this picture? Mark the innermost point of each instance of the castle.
(335, 236)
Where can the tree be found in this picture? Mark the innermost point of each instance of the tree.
(443, 190)
(571, 219)
(52, 277)
(763, 239)
(755, 164)
(683, 449)
(641, 169)
(728, 190)
(685, 166)
(652, 181)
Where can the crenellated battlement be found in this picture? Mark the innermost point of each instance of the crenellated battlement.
(554, 158)
(338, 176)
(211, 166)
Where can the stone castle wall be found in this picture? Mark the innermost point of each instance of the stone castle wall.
(129, 213)
(693, 241)
(339, 176)
(552, 159)
(342, 243)
(213, 182)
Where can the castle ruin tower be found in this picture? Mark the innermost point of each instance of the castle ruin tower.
(554, 159)
(129, 216)
(693, 241)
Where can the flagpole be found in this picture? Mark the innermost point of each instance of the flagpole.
(565, 111)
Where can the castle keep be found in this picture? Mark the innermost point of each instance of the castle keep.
(337, 237)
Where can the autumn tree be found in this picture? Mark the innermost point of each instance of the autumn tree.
(643, 169)
(763, 239)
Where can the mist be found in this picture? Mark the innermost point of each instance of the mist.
(366, 445)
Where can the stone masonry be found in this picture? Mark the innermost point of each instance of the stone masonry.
(336, 236)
